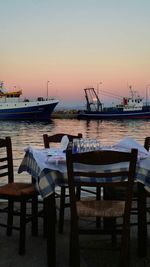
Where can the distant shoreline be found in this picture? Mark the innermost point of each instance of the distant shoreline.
(65, 114)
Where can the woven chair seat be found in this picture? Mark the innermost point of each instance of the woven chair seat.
(100, 208)
(17, 189)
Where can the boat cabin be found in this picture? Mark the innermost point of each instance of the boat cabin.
(132, 103)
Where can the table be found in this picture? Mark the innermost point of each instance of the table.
(50, 171)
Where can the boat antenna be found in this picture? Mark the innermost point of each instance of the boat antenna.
(130, 87)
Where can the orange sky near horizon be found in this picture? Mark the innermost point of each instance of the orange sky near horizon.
(74, 45)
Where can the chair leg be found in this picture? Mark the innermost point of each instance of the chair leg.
(124, 254)
(98, 197)
(114, 236)
(78, 192)
(35, 216)
(44, 220)
(142, 222)
(61, 211)
(50, 211)
(74, 250)
(22, 227)
(10, 217)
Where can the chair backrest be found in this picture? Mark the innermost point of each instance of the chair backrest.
(6, 159)
(93, 171)
(147, 143)
(56, 138)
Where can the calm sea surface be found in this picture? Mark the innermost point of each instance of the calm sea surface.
(24, 134)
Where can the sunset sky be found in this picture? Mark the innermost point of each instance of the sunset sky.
(75, 44)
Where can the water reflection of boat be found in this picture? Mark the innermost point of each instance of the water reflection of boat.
(12, 107)
(130, 107)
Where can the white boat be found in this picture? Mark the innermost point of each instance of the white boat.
(13, 107)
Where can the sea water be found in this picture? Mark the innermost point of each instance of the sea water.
(108, 132)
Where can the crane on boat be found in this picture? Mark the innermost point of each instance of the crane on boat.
(92, 99)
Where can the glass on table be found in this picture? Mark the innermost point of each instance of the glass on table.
(79, 145)
(97, 145)
(90, 144)
(76, 145)
(85, 144)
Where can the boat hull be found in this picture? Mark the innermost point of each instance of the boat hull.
(142, 114)
(27, 111)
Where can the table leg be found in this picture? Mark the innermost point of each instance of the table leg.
(49, 206)
(142, 221)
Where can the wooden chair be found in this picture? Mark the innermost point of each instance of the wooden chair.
(48, 140)
(111, 209)
(147, 147)
(135, 199)
(147, 143)
(16, 192)
(143, 209)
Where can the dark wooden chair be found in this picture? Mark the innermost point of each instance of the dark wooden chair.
(16, 192)
(143, 209)
(111, 209)
(48, 140)
(147, 147)
(134, 210)
(147, 143)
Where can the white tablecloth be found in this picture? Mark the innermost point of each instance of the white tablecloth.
(50, 171)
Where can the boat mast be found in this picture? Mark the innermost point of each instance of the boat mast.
(1, 87)
(133, 93)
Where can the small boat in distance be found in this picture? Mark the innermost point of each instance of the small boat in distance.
(12, 107)
(130, 107)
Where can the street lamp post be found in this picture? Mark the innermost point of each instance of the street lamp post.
(47, 88)
(147, 92)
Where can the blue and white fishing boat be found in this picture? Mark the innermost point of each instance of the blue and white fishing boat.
(13, 107)
(131, 107)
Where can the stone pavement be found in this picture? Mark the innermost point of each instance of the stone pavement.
(93, 253)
